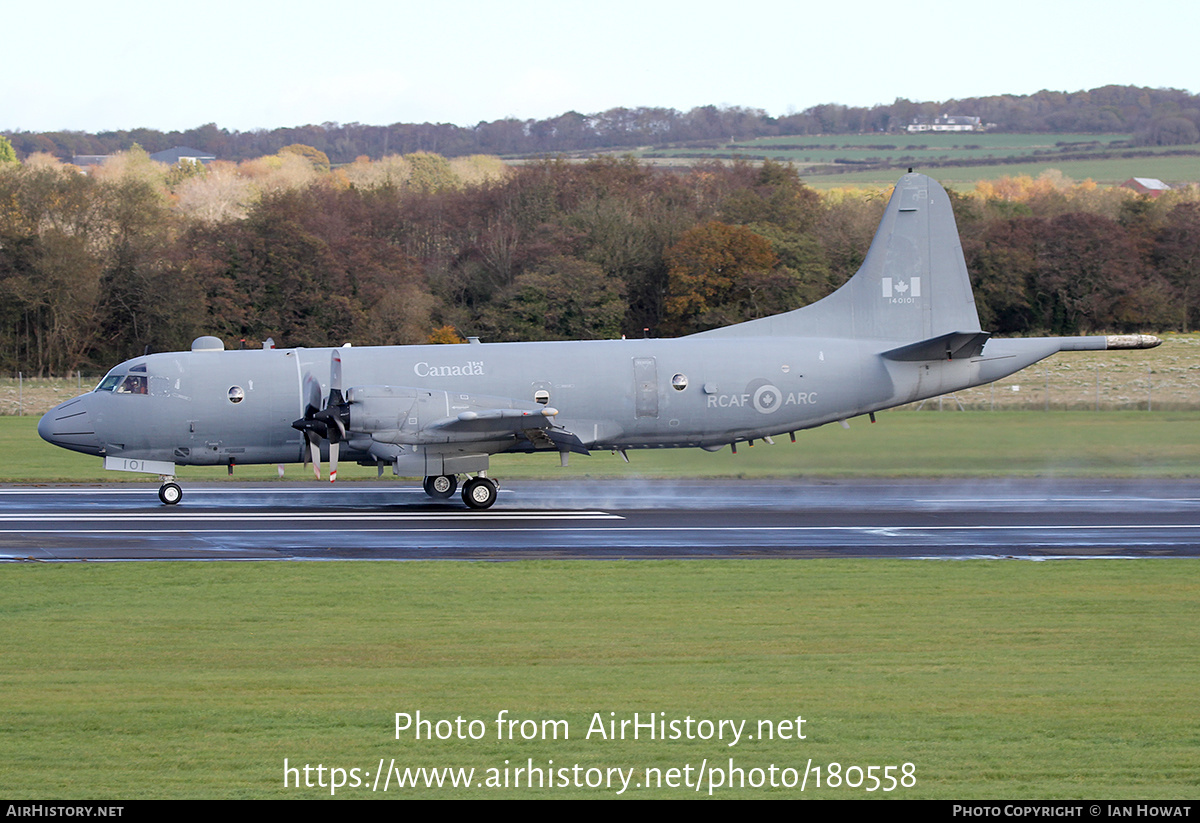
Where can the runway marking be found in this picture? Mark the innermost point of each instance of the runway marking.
(1098, 499)
(891, 531)
(133, 518)
(141, 490)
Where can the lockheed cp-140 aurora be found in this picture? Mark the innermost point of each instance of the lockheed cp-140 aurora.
(903, 329)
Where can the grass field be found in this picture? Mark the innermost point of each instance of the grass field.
(894, 149)
(995, 680)
(902, 443)
(985, 156)
(1105, 172)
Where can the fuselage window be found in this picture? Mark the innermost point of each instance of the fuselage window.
(236, 394)
(133, 384)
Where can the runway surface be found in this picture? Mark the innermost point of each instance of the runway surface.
(608, 519)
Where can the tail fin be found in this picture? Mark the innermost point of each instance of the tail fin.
(913, 284)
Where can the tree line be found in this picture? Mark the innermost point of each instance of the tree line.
(418, 248)
(1154, 116)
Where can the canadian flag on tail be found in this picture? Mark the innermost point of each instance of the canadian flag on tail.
(901, 288)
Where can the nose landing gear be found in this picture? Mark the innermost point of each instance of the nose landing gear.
(169, 492)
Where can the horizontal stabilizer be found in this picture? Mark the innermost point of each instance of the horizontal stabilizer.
(953, 346)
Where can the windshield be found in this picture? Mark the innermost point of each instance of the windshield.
(124, 384)
(133, 384)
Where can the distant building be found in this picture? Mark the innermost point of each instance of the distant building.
(170, 157)
(85, 160)
(173, 156)
(947, 122)
(1146, 185)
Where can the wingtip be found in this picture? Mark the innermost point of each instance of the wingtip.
(1131, 341)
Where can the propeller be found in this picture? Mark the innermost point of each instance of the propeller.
(312, 428)
(328, 423)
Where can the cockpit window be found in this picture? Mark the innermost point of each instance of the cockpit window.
(133, 384)
(109, 383)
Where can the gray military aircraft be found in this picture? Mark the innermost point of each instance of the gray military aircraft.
(904, 328)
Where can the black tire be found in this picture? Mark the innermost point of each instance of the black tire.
(170, 493)
(441, 487)
(479, 493)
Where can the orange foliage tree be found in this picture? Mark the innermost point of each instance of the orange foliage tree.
(717, 274)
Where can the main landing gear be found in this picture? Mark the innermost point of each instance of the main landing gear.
(441, 487)
(478, 492)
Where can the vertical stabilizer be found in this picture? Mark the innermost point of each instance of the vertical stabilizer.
(913, 284)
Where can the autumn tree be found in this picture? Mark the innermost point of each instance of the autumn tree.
(318, 158)
(846, 229)
(430, 172)
(721, 274)
(1177, 255)
(1003, 266)
(218, 195)
(1085, 265)
(561, 299)
(802, 261)
(443, 335)
(53, 242)
(773, 195)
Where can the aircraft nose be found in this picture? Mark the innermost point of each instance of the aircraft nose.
(69, 426)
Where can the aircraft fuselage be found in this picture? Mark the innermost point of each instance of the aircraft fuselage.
(217, 407)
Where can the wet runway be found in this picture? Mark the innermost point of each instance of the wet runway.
(608, 519)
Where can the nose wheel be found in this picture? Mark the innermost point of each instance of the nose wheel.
(170, 493)
(479, 492)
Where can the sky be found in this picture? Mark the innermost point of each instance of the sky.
(249, 65)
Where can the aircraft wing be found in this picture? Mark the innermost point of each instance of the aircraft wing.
(533, 430)
(412, 416)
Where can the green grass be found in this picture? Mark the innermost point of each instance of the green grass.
(947, 141)
(902, 443)
(997, 680)
(1036, 153)
(1105, 172)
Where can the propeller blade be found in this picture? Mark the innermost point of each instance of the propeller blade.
(313, 428)
(312, 395)
(333, 460)
(315, 449)
(335, 374)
